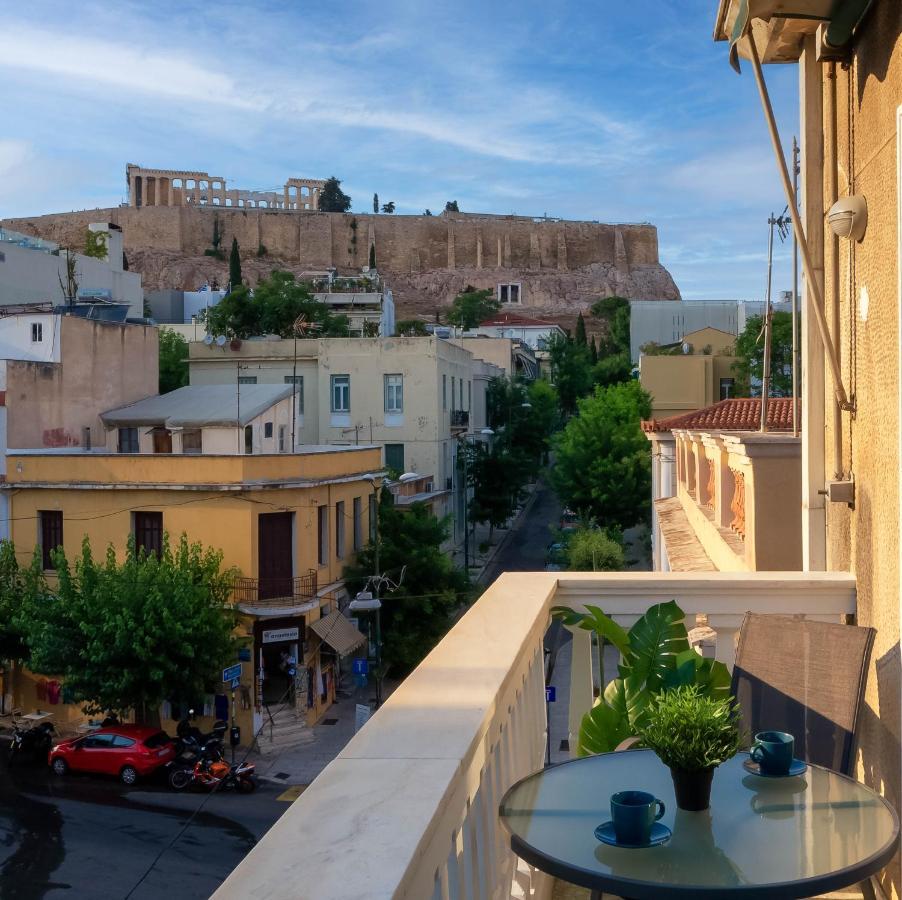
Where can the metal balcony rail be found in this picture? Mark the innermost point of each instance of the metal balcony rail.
(274, 591)
(460, 418)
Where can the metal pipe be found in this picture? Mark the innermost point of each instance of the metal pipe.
(796, 168)
(765, 362)
(814, 289)
(833, 193)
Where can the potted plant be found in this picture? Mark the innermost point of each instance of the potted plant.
(692, 735)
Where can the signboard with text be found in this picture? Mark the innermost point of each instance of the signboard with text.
(232, 673)
(277, 635)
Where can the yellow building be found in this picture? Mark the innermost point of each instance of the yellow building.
(691, 374)
(288, 522)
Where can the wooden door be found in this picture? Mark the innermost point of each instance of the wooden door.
(162, 440)
(274, 554)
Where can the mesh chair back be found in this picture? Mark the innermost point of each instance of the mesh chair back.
(806, 678)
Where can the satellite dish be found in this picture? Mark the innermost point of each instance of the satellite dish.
(220, 341)
(208, 339)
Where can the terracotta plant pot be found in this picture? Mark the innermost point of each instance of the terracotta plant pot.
(692, 789)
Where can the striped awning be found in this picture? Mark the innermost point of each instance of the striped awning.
(338, 632)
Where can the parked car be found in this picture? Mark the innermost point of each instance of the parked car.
(128, 751)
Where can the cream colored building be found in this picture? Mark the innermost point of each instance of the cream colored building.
(680, 382)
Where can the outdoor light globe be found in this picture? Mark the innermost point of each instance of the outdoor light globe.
(848, 217)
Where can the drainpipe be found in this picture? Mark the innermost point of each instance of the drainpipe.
(833, 194)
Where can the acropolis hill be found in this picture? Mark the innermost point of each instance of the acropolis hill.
(562, 266)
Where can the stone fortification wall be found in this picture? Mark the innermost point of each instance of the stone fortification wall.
(560, 263)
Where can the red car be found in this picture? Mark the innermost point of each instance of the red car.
(128, 751)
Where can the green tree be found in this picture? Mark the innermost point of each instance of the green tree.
(603, 464)
(417, 615)
(173, 360)
(612, 369)
(580, 334)
(234, 266)
(496, 478)
(749, 366)
(451, 206)
(470, 307)
(592, 550)
(593, 351)
(129, 635)
(15, 585)
(95, 244)
(428, 212)
(375, 203)
(411, 328)
(332, 198)
(372, 256)
(272, 308)
(388, 207)
(614, 314)
(571, 371)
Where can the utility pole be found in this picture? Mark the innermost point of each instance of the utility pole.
(796, 168)
(377, 582)
(765, 374)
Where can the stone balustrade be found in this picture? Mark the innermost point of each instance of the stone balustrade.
(409, 807)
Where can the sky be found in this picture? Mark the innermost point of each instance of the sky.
(609, 111)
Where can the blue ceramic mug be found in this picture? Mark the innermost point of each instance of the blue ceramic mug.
(773, 751)
(632, 814)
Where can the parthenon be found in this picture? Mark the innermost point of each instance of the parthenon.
(175, 187)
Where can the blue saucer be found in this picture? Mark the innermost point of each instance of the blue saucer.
(796, 767)
(659, 834)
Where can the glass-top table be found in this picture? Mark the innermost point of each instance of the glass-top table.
(762, 837)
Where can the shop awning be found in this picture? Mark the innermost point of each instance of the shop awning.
(338, 632)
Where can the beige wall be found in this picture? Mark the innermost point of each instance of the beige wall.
(681, 384)
(865, 539)
(102, 366)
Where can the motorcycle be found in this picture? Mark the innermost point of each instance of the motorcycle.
(213, 772)
(35, 742)
(192, 739)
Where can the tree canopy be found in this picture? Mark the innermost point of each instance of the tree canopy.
(332, 198)
(470, 307)
(603, 463)
(749, 366)
(388, 207)
(173, 360)
(571, 370)
(15, 585)
(129, 635)
(375, 203)
(451, 206)
(592, 550)
(418, 614)
(411, 328)
(272, 308)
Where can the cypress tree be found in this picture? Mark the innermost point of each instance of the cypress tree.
(593, 350)
(580, 336)
(234, 265)
(375, 203)
(372, 256)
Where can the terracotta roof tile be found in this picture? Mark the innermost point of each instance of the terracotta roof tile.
(735, 414)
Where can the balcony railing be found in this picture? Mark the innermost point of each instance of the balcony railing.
(409, 807)
(275, 592)
(460, 418)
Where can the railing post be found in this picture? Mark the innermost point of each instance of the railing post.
(581, 685)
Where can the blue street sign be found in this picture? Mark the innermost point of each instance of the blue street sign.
(235, 683)
(232, 672)
(550, 693)
(361, 666)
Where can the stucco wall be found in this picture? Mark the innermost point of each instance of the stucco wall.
(102, 366)
(866, 539)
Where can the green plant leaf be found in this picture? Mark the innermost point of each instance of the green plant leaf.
(711, 677)
(655, 642)
(594, 620)
(602, 729)
(631, 700)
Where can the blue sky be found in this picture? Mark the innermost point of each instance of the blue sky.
(625, 112)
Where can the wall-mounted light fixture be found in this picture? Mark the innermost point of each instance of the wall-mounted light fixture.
(848, 217)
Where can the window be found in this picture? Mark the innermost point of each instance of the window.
(247, 379)
(248, 439)
(121, 741)
(371, 516)
(726, 388)
(340, 529)
(341, 393)
(267, 429)
(282, 438)
(358, 524)
(461, 393)
(394, 457)
(394, 393)
(509, 293)
(98, 742)
(322, 533)
(444, 391)
(128, 440)
(453, 388)
(298, 382)
(149, 532)
(37, 332)
(191, 441)
(51, 535)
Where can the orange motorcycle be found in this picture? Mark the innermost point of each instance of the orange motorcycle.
(214, 773)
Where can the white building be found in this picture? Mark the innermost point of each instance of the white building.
(535, 333)
(34, 271)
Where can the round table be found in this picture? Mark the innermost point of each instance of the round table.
(762, 837)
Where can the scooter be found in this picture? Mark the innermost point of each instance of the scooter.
(35, 742)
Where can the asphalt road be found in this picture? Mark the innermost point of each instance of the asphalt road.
(85, 836)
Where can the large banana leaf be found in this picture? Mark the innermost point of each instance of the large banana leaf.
(602, 729)
(655, 642)
(594, 620)
(711, 677)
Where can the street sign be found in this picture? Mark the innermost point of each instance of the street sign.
(550, 693)
(232, 672)
(361, 666)
(235, 683)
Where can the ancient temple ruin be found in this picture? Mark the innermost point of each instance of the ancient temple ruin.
(176, 187)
